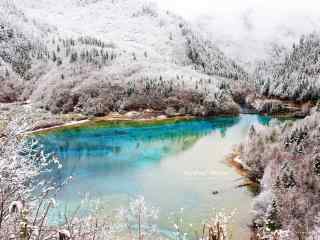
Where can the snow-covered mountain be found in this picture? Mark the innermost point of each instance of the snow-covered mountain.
(270, 45)
(292, 74)
(65, 47)
(250, 34)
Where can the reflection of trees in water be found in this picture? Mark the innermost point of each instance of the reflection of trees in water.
(110, 150)
(263, 120)
(223, 131)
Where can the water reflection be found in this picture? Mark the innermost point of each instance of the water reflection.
(110, 150)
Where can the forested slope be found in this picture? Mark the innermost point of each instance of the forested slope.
(292, 74)
(110, 55)
(285, 159)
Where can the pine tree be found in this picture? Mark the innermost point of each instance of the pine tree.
(54, 57)
(59, 61)
(7, 74)
(273, 222)
(317, 165)
(288, 180)
(74, 57)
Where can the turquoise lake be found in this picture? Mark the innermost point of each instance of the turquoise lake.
(173, 165)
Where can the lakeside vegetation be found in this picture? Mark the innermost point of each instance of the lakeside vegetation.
(284, 160)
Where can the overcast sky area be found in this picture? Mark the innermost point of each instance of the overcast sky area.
(193, 8)
(244, 29)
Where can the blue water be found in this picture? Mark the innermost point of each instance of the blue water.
(173, 165)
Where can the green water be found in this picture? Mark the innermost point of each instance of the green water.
(173, 165)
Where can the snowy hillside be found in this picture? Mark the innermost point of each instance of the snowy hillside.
(249, 35)
(68, 46)
(268, 44)
(292, 74)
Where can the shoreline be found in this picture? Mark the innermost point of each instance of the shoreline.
(123, 118)
(130, 117)
(56, 122)
(147, 116)
(234, 161)
(111, 118)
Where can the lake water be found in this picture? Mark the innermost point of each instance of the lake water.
(173, 165)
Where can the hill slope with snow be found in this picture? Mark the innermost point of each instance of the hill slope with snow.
(292, 74)
(249, 34)
(67, 47)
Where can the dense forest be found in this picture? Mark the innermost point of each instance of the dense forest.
(292, 74)
(284, 158)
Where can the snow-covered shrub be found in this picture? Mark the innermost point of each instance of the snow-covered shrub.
(22, 161)
(138, 221)
(216, 226)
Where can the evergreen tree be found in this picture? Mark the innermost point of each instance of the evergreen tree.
(273, 222)
(74, 57)
(54, 57)
(7, 74)
(59, 61)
